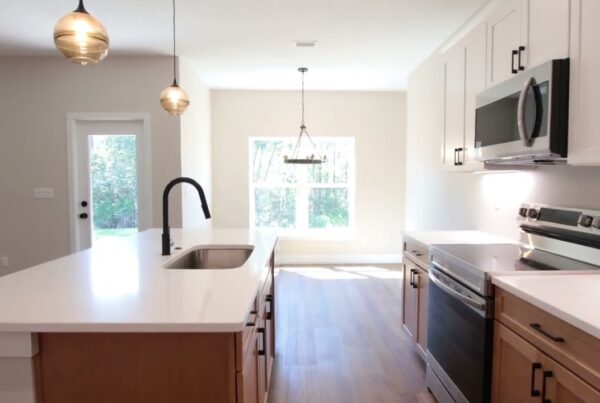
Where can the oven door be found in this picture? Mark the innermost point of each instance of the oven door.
(459, 338)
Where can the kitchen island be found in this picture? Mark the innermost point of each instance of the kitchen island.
(112, 324)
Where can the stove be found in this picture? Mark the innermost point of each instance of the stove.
(460, 309)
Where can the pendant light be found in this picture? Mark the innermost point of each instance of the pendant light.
(81, 37)
(296, 157)
(173, 99)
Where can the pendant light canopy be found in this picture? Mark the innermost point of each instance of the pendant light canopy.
(81, 37)
(297, 157)
(173, 99)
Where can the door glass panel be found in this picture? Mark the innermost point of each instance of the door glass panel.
(113, 185)
(496, 123)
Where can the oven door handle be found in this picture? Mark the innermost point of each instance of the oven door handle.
(523, 133)
(468, 301)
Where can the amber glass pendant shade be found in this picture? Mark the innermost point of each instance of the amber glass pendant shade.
(81, 38)
(174, 100)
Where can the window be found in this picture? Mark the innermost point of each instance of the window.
(302, 199)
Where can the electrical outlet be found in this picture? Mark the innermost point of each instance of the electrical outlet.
(4, 261)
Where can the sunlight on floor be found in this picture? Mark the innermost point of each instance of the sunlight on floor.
(344, 272)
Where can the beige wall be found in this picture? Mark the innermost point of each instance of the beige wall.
(37, 93)
(375, 119)
(195, 146)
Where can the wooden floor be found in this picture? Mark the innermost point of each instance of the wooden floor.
(340, 338)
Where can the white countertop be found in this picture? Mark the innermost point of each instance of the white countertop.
(573, 298)
(121, 286)
(456, 237)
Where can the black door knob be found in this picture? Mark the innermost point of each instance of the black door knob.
(83, 216)
(84, 204)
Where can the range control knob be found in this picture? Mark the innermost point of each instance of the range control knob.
(523, 212)
(596, 223)
(585, 220)
(532, 213)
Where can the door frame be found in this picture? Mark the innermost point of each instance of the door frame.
(144, 169)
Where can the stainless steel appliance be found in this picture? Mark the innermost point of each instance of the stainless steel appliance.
(460, 316)
(524, 120)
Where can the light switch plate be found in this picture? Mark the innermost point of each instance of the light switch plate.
(43, 193)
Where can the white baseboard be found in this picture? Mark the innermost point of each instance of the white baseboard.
(337, 259)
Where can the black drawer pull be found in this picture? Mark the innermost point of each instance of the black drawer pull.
(412, 278)
(538, 328)
(521, 50)
(261, 330)
(417, 253)
(534, 367)
(545, 376)
(512, 64)
(255, 313)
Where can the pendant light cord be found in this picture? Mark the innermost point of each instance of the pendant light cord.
(302, 120)
(174, 48)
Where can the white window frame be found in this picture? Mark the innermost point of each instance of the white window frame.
(345, 233)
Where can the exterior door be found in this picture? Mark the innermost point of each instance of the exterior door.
(106, 180)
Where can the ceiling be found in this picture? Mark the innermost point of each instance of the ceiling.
(249, 44)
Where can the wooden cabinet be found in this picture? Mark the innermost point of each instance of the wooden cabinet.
(537, 357)
(464, 78)
(584, 120)
(248, 378)
(414, 310)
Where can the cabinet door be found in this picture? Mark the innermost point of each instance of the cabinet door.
(504, 37)
(517, 368)
(454, 105)
(410, 306)
(247, 380)
(584, 120)
(261, 377)
(475, 82)
(422, 283)
(270, 335)
(563, 386)
(545, 28)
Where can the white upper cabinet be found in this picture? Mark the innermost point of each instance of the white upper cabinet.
(584, 119)
(526, 33)
(545, 31)
(464, 77)
(504, 39)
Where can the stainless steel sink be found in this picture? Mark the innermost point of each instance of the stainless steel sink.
(213, 257)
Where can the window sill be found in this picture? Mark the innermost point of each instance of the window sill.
(317, 235)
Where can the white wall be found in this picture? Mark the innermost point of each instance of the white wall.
(195, 146)
(37, 93)
(375, 119)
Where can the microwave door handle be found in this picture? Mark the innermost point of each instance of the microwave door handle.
(523, 133)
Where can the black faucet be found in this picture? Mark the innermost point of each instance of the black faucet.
(166, 234)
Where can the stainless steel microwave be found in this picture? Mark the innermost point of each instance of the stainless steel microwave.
(525, 119)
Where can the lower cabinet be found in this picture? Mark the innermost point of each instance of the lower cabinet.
(538, 358)
(522, 373)
(414, 311)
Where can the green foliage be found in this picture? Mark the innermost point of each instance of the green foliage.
(328, 208)
(114, 181)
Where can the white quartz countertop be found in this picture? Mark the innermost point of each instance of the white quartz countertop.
(456, 237)
(573, 298)
(122, 286)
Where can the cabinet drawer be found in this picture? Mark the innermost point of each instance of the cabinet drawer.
(416, 251)
(244, 339)
(573, 348)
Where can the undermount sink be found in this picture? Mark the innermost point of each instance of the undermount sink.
(213, 257)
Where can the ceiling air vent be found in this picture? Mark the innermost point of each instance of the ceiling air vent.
(305, 44)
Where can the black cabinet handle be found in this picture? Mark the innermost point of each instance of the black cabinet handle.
(269, 299)
(458, 151)
(545, 376)
(455, 157)
(416, 283)
(83, 216)
(412, 278)
(538, 328)
(255, 313)
(416, 253)
(261, 330)
(534, 367)
(521, 50)
(512, 63)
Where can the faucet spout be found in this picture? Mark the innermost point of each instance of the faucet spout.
(166, 234)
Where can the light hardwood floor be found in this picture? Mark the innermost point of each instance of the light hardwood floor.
(340, 338)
